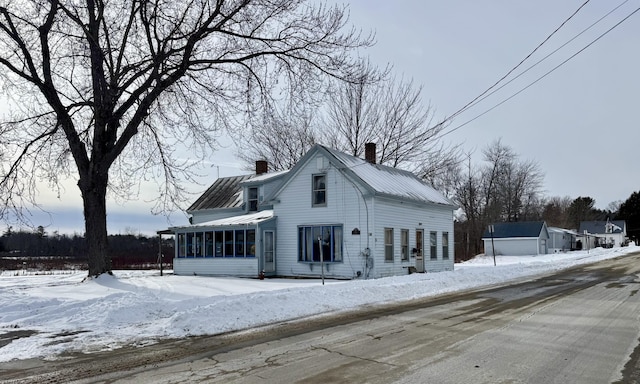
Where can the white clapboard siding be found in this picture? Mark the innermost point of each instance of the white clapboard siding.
(411, 216)
(512, 246)
(344, 207)
(216, 266)
(349, 206)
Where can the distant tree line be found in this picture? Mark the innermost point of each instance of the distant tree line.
(505, 188)
(38, 248)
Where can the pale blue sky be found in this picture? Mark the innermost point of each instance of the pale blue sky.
(580, 123)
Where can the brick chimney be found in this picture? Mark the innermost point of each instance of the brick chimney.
(261, 167)
(370, 152)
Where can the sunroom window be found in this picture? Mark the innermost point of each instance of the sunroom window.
(228, 243)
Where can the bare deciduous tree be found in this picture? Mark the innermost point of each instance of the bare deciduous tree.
(468, 195)
(109, 92)
(504, 188)
(392, 114)
(350, 119)
(371, 109)
(511, 184)
(279, 137)
(556, 211)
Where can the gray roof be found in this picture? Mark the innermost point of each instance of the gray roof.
(226, 192)
(379, 179)
(390, 181)
(599, 226)
(516, 229)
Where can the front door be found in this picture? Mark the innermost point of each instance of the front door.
(419, 253)
(269, 251)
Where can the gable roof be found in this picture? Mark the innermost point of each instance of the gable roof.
(516, 229)
(379, 179)
(619, 226)
(225, 192)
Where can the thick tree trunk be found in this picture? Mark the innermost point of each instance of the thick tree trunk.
(94, 195)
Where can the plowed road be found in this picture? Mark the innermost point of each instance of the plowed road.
(579, 326)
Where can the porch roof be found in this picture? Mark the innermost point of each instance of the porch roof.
(246, 219)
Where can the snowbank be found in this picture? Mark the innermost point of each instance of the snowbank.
(70, 313)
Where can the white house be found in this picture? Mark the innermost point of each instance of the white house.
(561, 240)
(517, 238)
(607, 233)
(332, 214)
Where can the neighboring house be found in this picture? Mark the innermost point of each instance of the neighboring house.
(606, 233)
(561, 240)
(332, 214)
(517, 239)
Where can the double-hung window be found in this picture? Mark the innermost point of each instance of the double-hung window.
(433, 242)
(388, 244)
(404, 244)
(445, 245)
(319, 197)
(253, 199)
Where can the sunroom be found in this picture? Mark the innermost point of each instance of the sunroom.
(235, 246)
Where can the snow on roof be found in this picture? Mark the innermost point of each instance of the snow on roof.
(265, 176)
(248, 219)
(563, 230)
(390, 181)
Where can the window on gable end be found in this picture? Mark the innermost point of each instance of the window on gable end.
(319, 190)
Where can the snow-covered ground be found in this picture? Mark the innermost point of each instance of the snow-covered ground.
(71, 313)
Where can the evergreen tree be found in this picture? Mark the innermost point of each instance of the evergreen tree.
(581, 209)
(630, 212)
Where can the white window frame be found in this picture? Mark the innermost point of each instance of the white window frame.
(404, 245)
(252, 202)
(445, 245)
(388, 245)
(315, 190)
(433, 245)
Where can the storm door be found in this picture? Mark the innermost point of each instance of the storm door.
(419, 250)
(269, 251)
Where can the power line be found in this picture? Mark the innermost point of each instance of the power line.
(469, 104)
(543, 76)
(479, 99)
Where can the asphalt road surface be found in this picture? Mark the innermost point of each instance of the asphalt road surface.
(578, 326)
